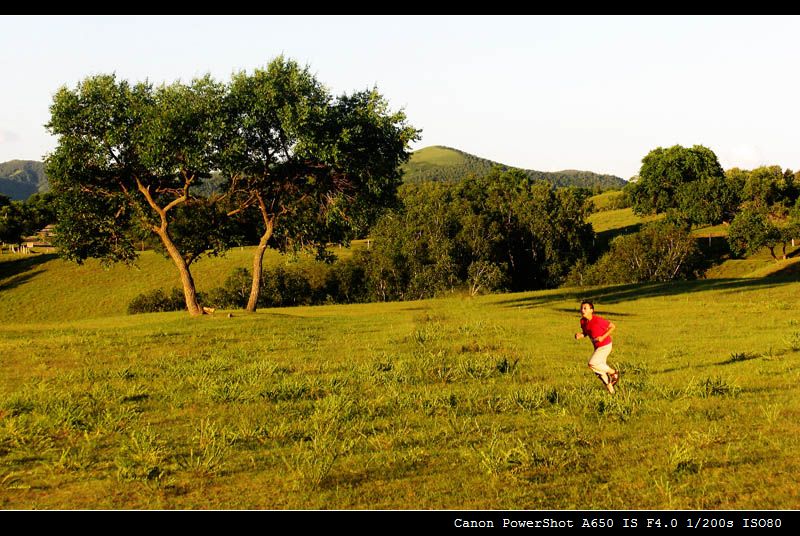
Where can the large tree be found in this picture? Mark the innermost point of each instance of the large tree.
(660, 251)
(133, 156)
(666, 173)
(314, 168)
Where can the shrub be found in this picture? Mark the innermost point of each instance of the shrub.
(340, 282)
(158, 301)
(659, 252)
(234, 292)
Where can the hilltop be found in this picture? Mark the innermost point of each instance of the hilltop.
(438, 163)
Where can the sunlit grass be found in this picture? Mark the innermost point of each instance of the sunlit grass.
(615, 219)
(448, 403)
(49, 288)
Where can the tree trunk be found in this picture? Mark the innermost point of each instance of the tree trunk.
(772, 252)
(162, 231)
(258, 263)
(258, 258)
(189, 291)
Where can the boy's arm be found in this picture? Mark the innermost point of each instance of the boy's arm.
(611, 327)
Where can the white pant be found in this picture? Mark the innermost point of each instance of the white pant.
(598, 362)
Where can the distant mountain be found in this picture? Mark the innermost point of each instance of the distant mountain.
(19, 179)
(438, 163)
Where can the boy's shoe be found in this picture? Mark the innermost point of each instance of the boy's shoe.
(613, 378)
(610, 387)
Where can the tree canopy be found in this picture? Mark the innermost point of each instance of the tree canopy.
(134, 158)
(673, 178)
(502, 231)
(316, 169)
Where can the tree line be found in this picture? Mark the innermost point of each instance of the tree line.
(502, 231)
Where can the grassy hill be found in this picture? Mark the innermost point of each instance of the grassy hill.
(439, 163)
(19, 179)
(610, 223)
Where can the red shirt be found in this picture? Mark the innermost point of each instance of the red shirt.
(594, 328)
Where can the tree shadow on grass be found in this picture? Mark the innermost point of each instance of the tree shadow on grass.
(577, 312)
(624, 293)
(18, 280)
(23, 264)
(789, 271)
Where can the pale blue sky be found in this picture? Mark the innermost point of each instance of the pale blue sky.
(546, 93)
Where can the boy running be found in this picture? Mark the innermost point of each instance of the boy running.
(598, 329)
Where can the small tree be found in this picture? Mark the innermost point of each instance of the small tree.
(484, 274)
(12, 223)
(751, 230)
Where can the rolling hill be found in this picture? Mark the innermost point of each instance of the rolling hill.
(19, 179)
(438, 163)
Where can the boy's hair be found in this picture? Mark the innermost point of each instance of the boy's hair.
(587, 302)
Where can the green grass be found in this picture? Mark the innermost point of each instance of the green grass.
(603, 200)
(620, 219)
(454, 403)
(44, 287)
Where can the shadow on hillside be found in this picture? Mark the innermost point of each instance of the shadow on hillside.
(790, 271)
(604, 238)
(624, 293)
(714, 251)
(18, 280)
(23, 264)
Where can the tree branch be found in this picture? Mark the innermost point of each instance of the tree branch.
(150, 201)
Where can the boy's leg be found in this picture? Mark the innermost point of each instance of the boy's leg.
(597, 363)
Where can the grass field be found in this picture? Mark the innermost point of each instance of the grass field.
(604, 200)
(447, 403)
